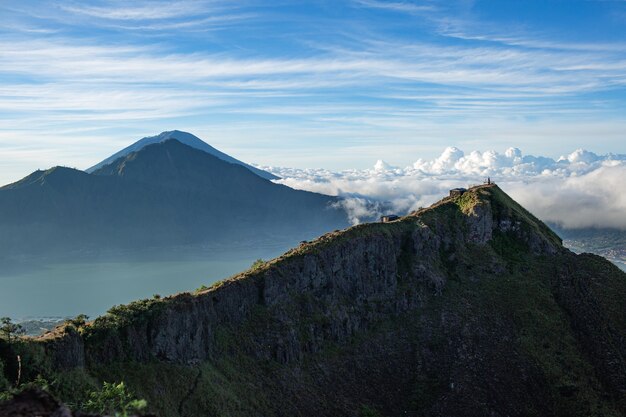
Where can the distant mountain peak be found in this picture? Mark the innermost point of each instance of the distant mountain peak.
(162, 197)
(172, 163)
(56, 173)
(185, 138)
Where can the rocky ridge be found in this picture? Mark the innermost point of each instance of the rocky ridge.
(470, 307)
(360, 265)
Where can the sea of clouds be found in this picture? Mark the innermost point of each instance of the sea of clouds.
(578, 190)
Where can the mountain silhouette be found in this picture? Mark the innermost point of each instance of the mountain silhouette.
(164, 195)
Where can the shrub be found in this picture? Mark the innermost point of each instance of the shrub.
(122, 315)
(114, 399)
(78, 321)
(202, 288)
(257, 264)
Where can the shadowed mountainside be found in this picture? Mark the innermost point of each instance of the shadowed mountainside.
(164, 195)
(471, 307)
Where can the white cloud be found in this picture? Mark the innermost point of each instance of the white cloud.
(399, 6)
(593, 198)
(153, 10)
(578, 190)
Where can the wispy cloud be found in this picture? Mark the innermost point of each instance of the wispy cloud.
(398, 6)
(140, 10)
(157, 17)
(551, 74)
(359, 81)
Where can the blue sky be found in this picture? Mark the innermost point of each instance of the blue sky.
(325, 84)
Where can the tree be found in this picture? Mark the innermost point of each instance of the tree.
(9, 329)
(78, 321)
(114, 399)
(257, 264)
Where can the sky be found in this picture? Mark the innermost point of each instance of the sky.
(320, 84)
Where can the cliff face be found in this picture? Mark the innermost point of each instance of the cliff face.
(346, 286)
(470, 307)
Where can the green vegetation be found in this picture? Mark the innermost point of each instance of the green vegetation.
(510, 248)
(257, 264)
(78, 322)
(9, 330)
(202, 288)
(122, 315)
(235, 385)
(114, 399)
(10, 344)
(7, 391)
(24, 366)
(467, 201)
(367, 411)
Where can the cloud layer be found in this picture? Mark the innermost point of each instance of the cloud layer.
(581, 189)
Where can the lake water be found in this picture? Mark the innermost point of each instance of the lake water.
(92, 288)
(63, 290)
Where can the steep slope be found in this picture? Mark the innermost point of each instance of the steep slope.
(469, 308)
(185, 138)
(165, 195)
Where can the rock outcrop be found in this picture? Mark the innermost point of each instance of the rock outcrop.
(35, 402)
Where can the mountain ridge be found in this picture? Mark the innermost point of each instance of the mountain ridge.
(165, 194)
(470, 307)
(39, 176)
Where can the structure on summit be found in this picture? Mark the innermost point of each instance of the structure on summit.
(389, 218)
(457, 192)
